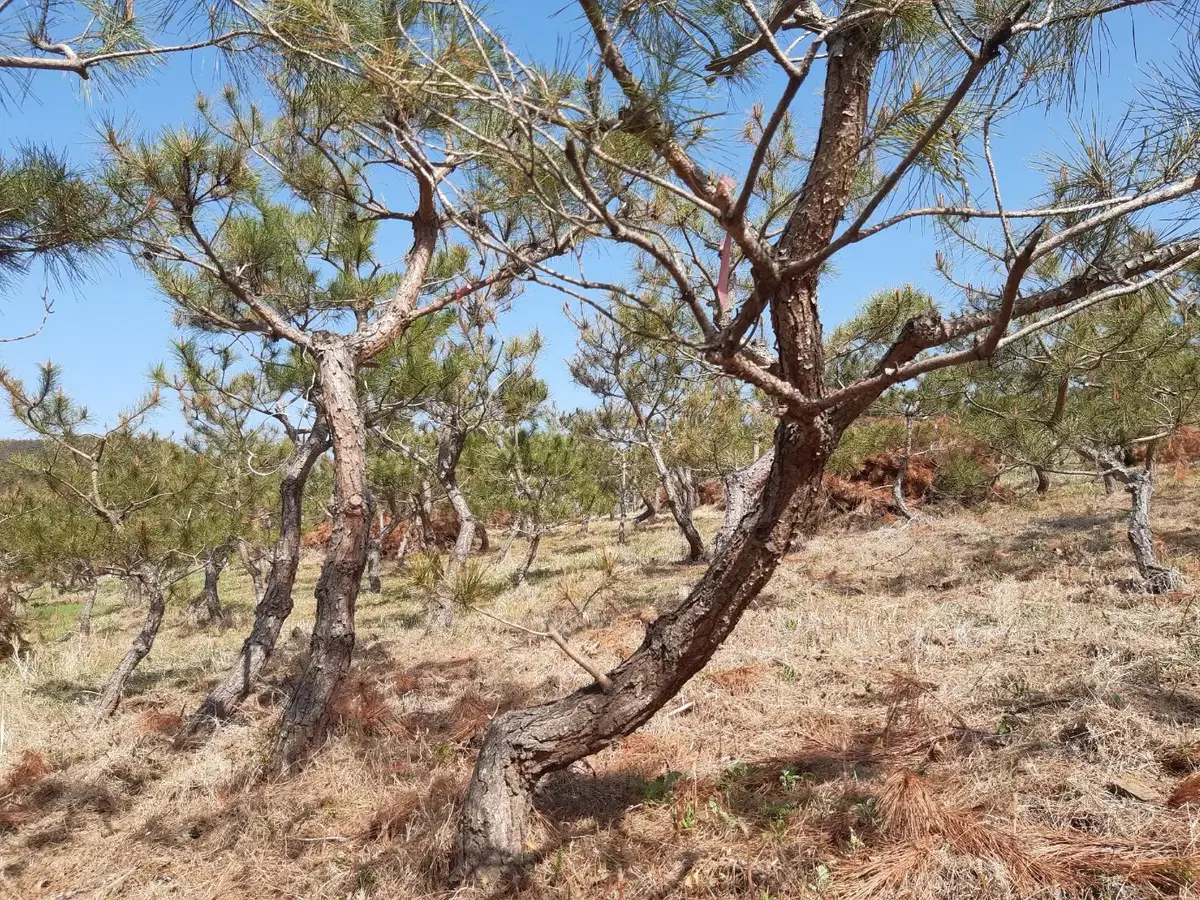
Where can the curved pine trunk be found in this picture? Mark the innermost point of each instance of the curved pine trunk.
(1159, 578)
(205, 609)
(523, 746)
(85, 611)
(441, 600)
(275, 603)
(110, 698)
(305, 722)
(677, 501)
(1043, 479)
(535, 541)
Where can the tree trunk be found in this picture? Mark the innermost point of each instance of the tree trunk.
(523, 746)
(485, 543)
(257, 563)
(374, 579)
(649, 513)
(85, 611)
(110, 698)
(205, 609)
(1043, 479)
(534, 541)
(898, 499)
(441, 609)
(1151, 462)
(677, 501)
(441, 601)
(1159, 579)
(424, 504)
(741, 490)
(509, 539)
(306, 718)
(275, 604)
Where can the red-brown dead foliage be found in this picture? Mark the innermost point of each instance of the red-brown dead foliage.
(1181, 449)
(405, 682)
(155, 721)
(737, 681)
(392, 818)
(31, 768)
(1186, 792)
(445, 530)
(711, 492)
(463, 719)
(360, 707)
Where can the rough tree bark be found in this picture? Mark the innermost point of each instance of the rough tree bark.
(275, 603)
(535, 540)
(1043, 479)
(85, 611)
(677, 502)
(306, 718)
(441, 601)
(205, 608)
(742, 488)
(151, 588)
(375, 553)
(523, 746)
(1158, 578)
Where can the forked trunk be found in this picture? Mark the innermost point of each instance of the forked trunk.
(306, 719)
(535, 541)
(110, 698)
(85, 611)
(1159, 579)
(205, 609)
(742, 488)
(257, 564)
(523, 746)
(275, 604)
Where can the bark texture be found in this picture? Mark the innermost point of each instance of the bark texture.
(151, 589)
(522, 572)
(306, 719)
(742, 488)
(1160, 579)
(523, 746)
(1043, 479)
(275, 603)
(441, 601)
(85, 611)
(205, 610)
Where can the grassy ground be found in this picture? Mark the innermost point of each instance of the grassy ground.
(977, 706)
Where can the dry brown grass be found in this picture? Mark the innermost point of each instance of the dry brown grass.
(926, 711)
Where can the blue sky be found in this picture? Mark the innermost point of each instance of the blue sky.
(110, 328)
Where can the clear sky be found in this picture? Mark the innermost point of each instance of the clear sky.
(108, 330)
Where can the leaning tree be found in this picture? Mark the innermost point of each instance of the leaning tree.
(912, 99)
(280, 228)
